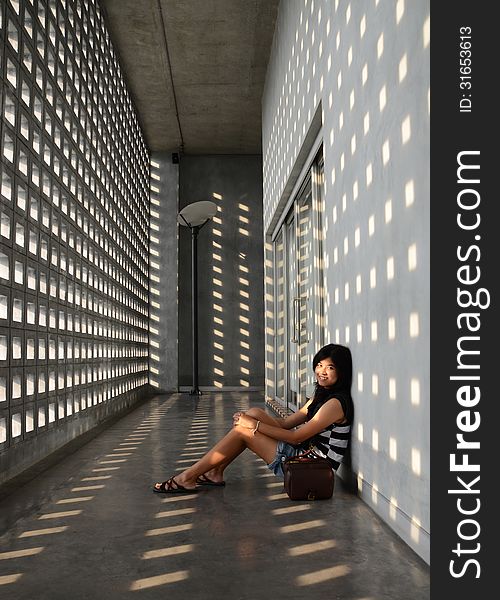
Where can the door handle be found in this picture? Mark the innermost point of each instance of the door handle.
(303, 299)
(295, 321)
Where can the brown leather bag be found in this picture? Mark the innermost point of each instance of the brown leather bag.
(308, 477)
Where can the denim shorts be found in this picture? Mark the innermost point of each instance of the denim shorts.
(283, 451)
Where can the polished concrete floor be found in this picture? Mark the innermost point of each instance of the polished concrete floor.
(90, 526)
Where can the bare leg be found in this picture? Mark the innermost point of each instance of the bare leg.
(217, 473)
(225, 451)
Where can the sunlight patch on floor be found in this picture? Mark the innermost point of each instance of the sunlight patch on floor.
(150, 582)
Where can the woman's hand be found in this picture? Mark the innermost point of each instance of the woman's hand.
(240, 418)
(236, 417)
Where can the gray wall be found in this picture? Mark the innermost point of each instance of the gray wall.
(74, 204)
(163, 244)
(365, 67)
(230, 273)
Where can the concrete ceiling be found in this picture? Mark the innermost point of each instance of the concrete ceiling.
(195, 70)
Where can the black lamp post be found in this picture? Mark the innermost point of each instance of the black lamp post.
(195, 216)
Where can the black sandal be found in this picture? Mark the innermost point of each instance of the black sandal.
(167, 487)
(204, 480)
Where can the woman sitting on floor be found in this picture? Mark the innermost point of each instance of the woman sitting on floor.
(322, 424)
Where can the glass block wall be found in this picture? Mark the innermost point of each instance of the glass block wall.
(74, 182)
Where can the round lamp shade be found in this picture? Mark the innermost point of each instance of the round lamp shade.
(197, 213)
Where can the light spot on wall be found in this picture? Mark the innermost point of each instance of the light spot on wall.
(386, 152)
(414, 325)
(415, 529)
(426, 35)
(393, 448)
(406, 130)
(371, 225)
(374, 331)
(373, 278)
(415, 461)
(415, 392)
(360, 381)
(380, 46)
(393, 508)
(392, 388)
(390, 268)
(388, 211)
(364, 74)
(403, 67)
(409, 193)
(412, 257)
(391, 328)
(366, 123)
(362, 26)
(382, 98)
(355, 190)
(332, 176)
(375, 384)
(358, 284)
(375, 440)
(369, 175)
(400, 9)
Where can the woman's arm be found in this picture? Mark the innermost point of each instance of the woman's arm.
(330, 412)
(297, 418)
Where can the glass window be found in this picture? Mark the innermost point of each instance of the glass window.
(8, 150)
(39, 76)
(24, 127)
(42, 282)
(22, 196)
(9, 108)
(13, 35)
(33, 242)
(5, 225)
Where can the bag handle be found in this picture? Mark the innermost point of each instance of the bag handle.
(309, 453)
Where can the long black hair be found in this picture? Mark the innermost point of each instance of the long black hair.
(342, 359)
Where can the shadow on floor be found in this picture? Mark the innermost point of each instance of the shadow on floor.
(97, 530)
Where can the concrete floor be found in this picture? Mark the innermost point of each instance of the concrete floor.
(90, 526)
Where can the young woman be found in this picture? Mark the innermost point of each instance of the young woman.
(322, 424)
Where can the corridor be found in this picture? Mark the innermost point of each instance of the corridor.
(90, 526)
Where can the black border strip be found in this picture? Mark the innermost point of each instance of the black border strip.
(464, 118)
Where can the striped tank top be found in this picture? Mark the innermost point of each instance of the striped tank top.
(332, 442)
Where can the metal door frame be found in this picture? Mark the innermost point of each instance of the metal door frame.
(313, 175)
